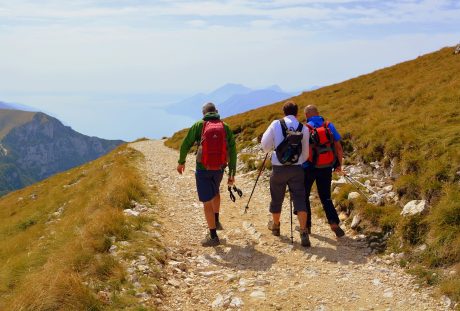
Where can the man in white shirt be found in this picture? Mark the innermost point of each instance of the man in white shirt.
(291, 174)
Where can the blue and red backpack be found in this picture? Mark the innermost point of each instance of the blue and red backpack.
(322, 152)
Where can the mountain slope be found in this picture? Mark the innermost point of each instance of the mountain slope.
(35, 146)
(66, 242)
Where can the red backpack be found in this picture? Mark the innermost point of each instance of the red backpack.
(322, 153)
(213, 145)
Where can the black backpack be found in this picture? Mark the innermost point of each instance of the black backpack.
(290, 149)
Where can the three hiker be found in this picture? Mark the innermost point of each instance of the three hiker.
(325, 156)
(303, 154)
(290, 139)
(216, 149)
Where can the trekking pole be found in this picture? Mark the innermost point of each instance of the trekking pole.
(257, 179)
(359, 183)
(356, 185)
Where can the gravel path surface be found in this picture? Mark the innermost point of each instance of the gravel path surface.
(253, 270)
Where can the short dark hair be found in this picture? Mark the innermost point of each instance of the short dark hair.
(290, 108)
(209, 107)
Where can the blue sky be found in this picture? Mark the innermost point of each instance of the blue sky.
(60, 54)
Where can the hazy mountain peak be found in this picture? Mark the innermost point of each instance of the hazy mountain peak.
(275, 88)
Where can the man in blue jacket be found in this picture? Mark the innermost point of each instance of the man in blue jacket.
(323, 176)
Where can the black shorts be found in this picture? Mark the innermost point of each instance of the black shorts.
(208, 184)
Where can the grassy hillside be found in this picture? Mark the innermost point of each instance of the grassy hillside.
(55, 237)
(10, 119)
(409, 114)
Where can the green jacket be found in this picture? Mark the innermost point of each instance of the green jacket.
(194, 135)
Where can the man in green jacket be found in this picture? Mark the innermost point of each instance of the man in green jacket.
(208, 179)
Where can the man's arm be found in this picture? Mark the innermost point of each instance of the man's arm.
(339, 152)
(268, 138)
(305, 143)
(188, 142)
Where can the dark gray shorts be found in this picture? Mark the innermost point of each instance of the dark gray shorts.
(208, 184)
(287, 175)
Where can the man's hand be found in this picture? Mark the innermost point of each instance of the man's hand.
(339, 171)
(181, 168)
(231, 180)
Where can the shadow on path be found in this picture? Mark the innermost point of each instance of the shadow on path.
(241, 258)
(344, 249)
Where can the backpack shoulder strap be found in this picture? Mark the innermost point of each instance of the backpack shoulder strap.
(283, 127)
(202, 131)
(311, 128)
(299, 127)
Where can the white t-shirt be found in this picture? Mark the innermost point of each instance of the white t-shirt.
(273, 136)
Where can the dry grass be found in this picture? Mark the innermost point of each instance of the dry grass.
(59, 261)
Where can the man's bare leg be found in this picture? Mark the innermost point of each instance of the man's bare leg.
(209, 214)
(302, 216)
(216, 208)
(305, 241)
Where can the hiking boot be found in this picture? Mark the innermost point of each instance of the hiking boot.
(219, 226)
(209, 242)
(337, 230)
(304, 239)
(275, 228)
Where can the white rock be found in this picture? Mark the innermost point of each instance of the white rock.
(337, 183)
(321, 308)
(446, 301)
(218, 302)
(174, 283)
(376, 282)
(353, 195)
(387, 188)
(258, 294)
(131, 212)
(376, 199)
(236, 302)
(388, 293)
(209, 273)
(414, 207)
(261, 282)
(355, 222)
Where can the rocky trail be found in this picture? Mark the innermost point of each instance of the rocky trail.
(253, 270)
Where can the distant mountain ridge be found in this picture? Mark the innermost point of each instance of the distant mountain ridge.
(230, 99)
(34, 146)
